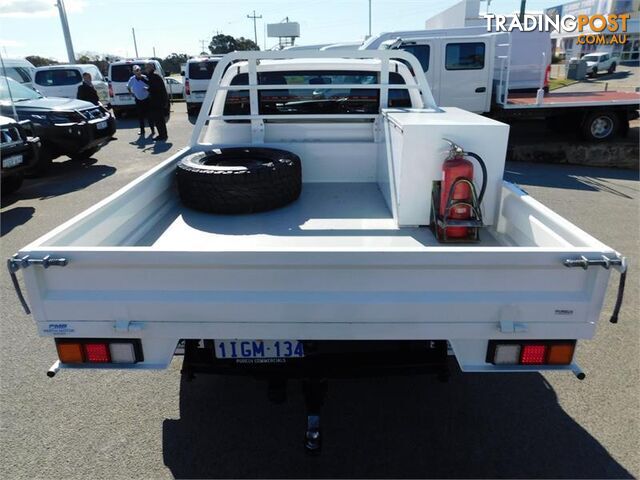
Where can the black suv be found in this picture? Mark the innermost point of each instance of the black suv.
(19, 151)
(65, 126)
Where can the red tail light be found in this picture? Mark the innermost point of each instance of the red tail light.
(110, 90)
(97, 352)
(533, 354)
(187, 89)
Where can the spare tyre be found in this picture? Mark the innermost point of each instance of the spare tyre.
(239, 180)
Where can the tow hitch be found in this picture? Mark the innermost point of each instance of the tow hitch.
(323, 360)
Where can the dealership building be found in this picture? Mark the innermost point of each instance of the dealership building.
(467, 13)
(567, 43)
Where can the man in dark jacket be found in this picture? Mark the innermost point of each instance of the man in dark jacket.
(86, 90)
(158, 101)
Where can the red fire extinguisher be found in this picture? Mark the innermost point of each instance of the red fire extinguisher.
(457, 178)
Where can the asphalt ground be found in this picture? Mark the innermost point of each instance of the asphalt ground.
(111, 424)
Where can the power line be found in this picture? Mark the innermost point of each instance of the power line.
(254, 17)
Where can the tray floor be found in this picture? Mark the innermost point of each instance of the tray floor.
(326, 216)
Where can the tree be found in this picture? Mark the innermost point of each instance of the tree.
(226, 43)
(100, 60)
(173, 62)
(39, 61)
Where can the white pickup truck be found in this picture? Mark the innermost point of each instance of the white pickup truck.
(350, 275)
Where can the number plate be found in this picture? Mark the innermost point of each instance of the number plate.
(12, 161)
(199, 95)
(258, 349)
(101, 125)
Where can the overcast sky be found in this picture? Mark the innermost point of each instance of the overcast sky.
(32, 27)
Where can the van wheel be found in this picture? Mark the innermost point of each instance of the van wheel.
(11, 183)
(600, 126)
(239, 180)
(612, 68)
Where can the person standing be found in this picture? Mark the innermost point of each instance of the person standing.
(86, 90)
(158, 101)
(138, 85)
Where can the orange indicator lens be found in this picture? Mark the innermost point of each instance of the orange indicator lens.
(560, 354)
(70, 352)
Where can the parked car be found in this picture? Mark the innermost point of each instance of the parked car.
(65, 126)
(196, 80)
(19, 69)
(175, 87)
(119, 74)
(64, 80)
(19, 151)
(599, 61)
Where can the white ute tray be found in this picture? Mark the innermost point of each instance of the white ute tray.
(326, 216)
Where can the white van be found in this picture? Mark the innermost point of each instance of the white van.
(528, 53)
(64, 80)
(196, 80)
(119, 74)
(20, 69)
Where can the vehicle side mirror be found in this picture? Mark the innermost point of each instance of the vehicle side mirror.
(182, 73)
(106, 79)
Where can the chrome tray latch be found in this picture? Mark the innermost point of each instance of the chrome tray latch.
(17, 262)
(619, 262)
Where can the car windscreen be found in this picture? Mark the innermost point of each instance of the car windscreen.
(19, 74)
(122, 73)
(12, 90)
(591, 58)
(58, 77)
(201, 70)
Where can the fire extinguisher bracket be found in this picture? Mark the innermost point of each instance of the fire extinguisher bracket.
(440, 223)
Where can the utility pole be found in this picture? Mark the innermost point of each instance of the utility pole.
(202, 42)
(65, 31)
(135, 44)
(254, 17)
(154, 52)
(523, 6)
(369, 18)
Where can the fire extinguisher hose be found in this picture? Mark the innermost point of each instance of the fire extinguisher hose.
(483, 167)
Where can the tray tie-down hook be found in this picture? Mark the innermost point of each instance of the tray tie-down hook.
(619, 262)
(17, 262)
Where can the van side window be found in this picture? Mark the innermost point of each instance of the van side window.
(421, 52)
(464, 56)
(398, 97)
(237, 101)
(58, 77)
(95, 73)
